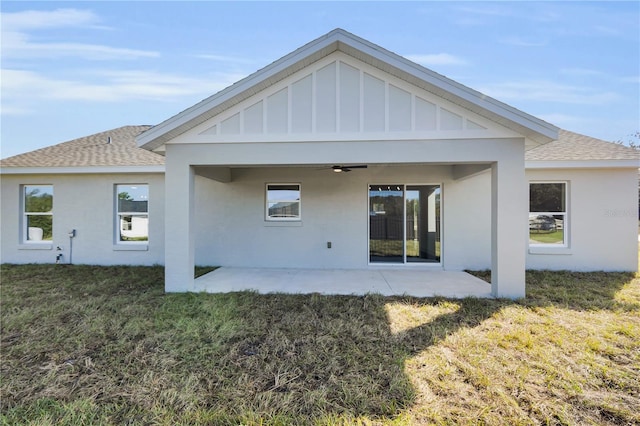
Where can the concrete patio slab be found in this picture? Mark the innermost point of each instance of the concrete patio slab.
(387, 282)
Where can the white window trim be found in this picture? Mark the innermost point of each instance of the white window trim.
(25, 242)
(128, 245)
(549, 248)
(272, 220)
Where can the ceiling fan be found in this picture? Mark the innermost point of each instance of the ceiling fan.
(340, 169)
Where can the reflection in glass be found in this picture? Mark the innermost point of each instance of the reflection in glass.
(133, 212)
(423, 223)
(386, 223)
(38, 212)
(546, 229)
(283, 201)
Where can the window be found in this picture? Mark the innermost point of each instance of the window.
(283, 201)
(132, 215)
(38, 213)
(548, 214)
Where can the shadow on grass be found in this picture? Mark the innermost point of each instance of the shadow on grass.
(109, 342)
(298, 357)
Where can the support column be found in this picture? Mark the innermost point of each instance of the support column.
(508, 227)
(179, 225)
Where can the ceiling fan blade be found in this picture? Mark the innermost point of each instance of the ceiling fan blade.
(339, 168)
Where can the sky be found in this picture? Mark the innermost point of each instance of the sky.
(71, 69)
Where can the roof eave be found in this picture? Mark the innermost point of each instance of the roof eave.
(582, 164)
(80, 170)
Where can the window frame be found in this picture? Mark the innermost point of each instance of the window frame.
(564, 214)
(269, 218)
(118, 214)
(24, 237)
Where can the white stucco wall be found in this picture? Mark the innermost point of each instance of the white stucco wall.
(603, 221)
(468, 218)
(85, 203)
(231, 229)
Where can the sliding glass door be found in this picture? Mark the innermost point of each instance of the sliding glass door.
(386, 223)
(404, 223)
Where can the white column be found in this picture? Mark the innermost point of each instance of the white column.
(509, 201)
(179, 224)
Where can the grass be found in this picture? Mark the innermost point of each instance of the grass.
(85, 345)
(555, 237)
(395, 248)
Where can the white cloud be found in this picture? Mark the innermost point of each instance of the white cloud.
(14, 110)
(114, 86)
(632, 79)
(581, 72)
(486, 10)
(223, 58)
(17, 40)
(436, 59)
(17, 45)
(37, 19)
(546, 91)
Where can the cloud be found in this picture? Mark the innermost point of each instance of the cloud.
(19, 86)
(581, 72)
(486, 10)
(37, 19)
(17, 40)
(436, 59)
(546, 91)
(14, 110)
(223, 58)
(519, 41)
(632, 79)
(17, 45)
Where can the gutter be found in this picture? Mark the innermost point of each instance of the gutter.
(80, 170)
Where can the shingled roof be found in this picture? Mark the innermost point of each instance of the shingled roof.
(118, 147)
(115, 147)
(572, 146)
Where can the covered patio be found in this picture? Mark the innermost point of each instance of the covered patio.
(337, 103)
(387, 282)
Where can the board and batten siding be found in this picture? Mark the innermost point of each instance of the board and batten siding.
(342, 98)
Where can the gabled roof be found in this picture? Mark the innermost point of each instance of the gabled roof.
(115, 147)
(572, 146)
(367, 52)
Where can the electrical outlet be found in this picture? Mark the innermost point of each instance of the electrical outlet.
(328, 244)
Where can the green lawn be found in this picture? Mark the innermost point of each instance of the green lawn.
(555, 237)
(84, 345)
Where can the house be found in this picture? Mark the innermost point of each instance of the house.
(340, 155)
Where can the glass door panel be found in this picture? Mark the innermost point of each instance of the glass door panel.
(386, 223)
(422, 218)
